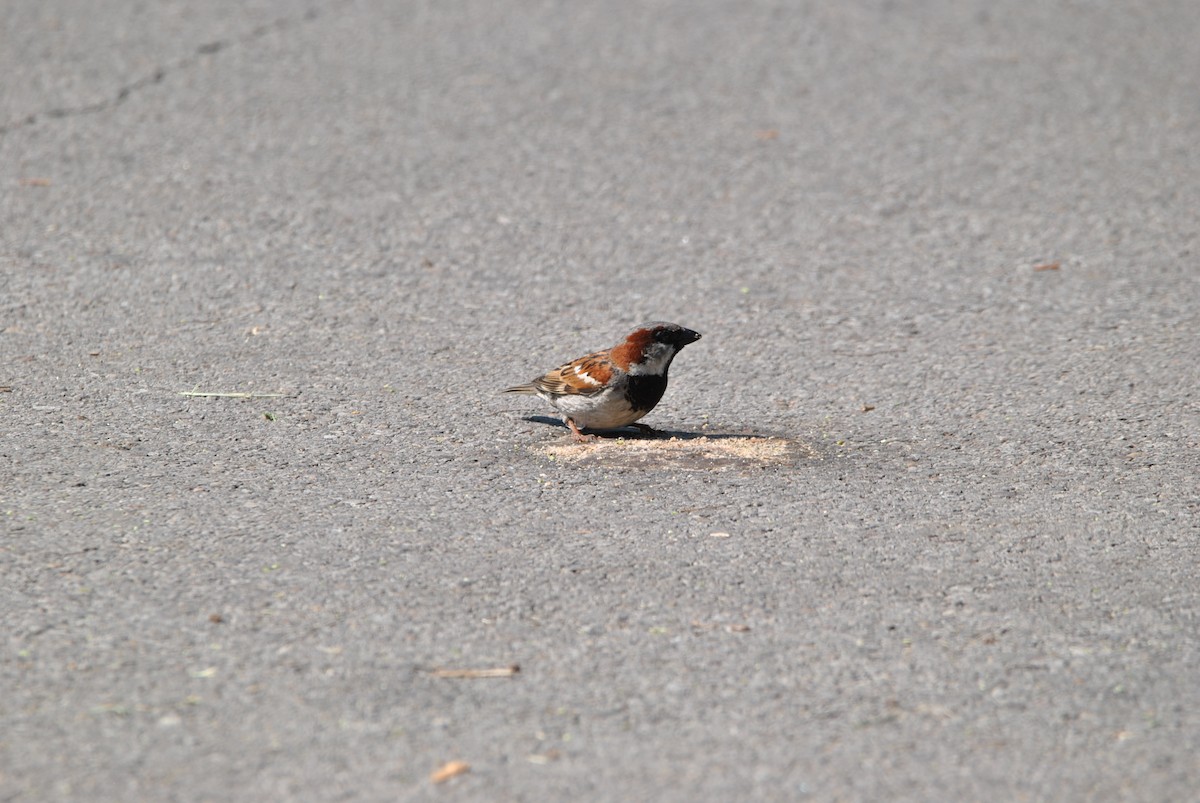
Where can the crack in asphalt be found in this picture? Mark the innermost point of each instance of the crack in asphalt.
(159, 74)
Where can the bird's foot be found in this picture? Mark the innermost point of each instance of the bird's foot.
(580, 437)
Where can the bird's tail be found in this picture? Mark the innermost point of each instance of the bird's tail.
(528, 387)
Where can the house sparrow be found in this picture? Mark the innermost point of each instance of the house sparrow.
(615, 387)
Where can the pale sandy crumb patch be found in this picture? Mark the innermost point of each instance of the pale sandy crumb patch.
(693, 454)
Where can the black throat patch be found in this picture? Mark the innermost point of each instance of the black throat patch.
(644, 391)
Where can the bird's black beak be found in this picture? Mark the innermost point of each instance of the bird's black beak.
(685, 336)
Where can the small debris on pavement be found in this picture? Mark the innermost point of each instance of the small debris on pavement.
(449, 770)
(497, 672)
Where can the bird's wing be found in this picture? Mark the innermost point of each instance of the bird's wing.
(586, 376)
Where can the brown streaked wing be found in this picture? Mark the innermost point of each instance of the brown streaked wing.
(584, 377)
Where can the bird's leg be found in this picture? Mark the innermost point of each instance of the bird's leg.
(646, 429)
(579, 436)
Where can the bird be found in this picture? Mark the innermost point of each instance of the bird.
(617, 386)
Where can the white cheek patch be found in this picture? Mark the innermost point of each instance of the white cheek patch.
(655, 362)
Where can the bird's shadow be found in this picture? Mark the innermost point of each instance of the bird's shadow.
(633, 433)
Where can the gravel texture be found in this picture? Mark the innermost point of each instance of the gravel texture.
(928, 525)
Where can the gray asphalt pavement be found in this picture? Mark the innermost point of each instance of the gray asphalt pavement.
(945, 253)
